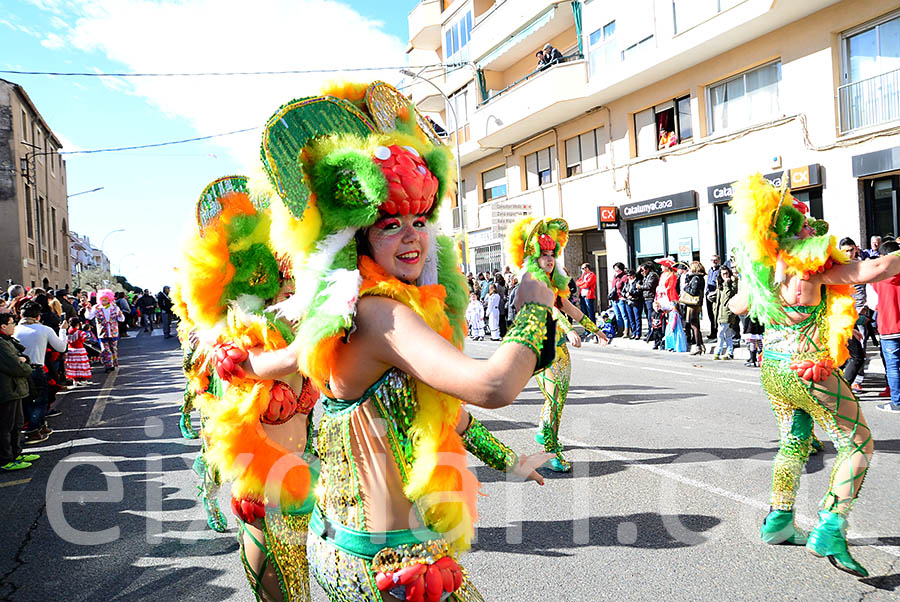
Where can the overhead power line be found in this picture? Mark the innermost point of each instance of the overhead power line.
(140, 146)
(224, 73)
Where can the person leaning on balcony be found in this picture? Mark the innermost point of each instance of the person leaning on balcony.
(541, 59)
(552, 55)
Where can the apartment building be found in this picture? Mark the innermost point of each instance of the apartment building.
(656, 108)
(84, 256)
(34, 214)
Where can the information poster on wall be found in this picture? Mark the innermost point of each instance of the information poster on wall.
(685, 249)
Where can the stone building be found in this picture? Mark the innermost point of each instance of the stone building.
(34, 215)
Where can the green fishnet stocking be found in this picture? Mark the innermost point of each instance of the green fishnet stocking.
(554, 384)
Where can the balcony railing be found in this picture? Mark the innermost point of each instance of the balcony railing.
(870, 101)
(492, 94)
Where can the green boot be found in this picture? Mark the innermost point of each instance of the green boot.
(559, 463)
(214, 517)
(816, 446)
(829, 539)
(778, 528)
(539, 436)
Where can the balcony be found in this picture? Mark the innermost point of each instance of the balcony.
(530, 105)
(870, 102)
(499, 38)
(425, 25)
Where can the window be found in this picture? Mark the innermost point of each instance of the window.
(602, 48)
(583, 152)
(24, 126)
(539, 168)
(663, 126)
(460, 104)
(494, 183)
(53, 158)
(489, 258)
(751, 97)
(42, 228)
(656, 237)
(638, 48)
(689, 13)
(29, 216)
(457, 37)
(870, 94)
(53, 225)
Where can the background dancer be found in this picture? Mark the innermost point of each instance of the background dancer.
(535, 245)
(796, 283)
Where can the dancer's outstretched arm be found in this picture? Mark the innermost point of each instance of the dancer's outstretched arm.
(862, 272)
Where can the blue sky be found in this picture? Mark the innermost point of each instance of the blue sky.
(152, 193)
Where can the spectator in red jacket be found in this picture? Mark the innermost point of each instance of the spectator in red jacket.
(889, 328)
(587, 288)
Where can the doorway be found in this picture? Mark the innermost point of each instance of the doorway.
(881, 206)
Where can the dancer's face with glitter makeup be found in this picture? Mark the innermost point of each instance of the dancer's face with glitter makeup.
(546, 261)
(399, 245)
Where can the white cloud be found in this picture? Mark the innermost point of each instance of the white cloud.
(53, 42)
(232, 35)
(67, 145)
(58, 23)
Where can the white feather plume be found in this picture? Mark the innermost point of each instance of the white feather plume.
(342, 293)
(429, 273)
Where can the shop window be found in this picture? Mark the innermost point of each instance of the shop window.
(602, 50)
(489, 258)
(748, 98)
(457, 37)
(813, 199)
(882, 196)
(663, 126)
(656, 237)
(726, 231)
(583, 152)
(870, 74)
(539, 168)
(493, 181)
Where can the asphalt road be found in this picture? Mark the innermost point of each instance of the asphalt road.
(672, 458)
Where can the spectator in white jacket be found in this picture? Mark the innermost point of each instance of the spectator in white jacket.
(36, 337)
(475, 317)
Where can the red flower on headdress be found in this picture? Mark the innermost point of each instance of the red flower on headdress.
(546, 243)
(411, 185)
(801, 207)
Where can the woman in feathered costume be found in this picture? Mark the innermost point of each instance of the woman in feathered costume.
(796, 281)
(534, 246)
(378, 320)
(228, 275)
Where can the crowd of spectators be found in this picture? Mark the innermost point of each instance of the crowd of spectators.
(668, 304)
(48, 340)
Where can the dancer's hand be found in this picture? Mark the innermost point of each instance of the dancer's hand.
(532, 291)
(573, 338)
(527, 466)
(601, 339)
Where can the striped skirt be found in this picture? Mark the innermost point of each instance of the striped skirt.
(77, 365)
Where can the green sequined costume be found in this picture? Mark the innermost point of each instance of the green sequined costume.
(798, 403)
(553, 382)
(341, 547)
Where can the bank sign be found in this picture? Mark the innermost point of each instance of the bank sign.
(679, 201)
(607, 217)
(800, 177)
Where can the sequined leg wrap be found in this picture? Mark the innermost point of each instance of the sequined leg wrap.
(554, 384)
(283, 558)
(834, 407)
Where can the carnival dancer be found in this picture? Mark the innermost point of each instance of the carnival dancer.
(378, 328)
(534, 245)
(78, 367)
(796, 282)
(106, 316)
(665, 302)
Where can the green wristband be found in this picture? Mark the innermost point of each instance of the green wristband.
(586, 323)
(482, 444)
(529, 328)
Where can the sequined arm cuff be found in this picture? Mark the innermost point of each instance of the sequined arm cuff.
(529, 328)
(586, 323)
(534, 328)
(482, 444)
(563, 321)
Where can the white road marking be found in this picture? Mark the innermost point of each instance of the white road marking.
(803, 520)
(96, 416)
